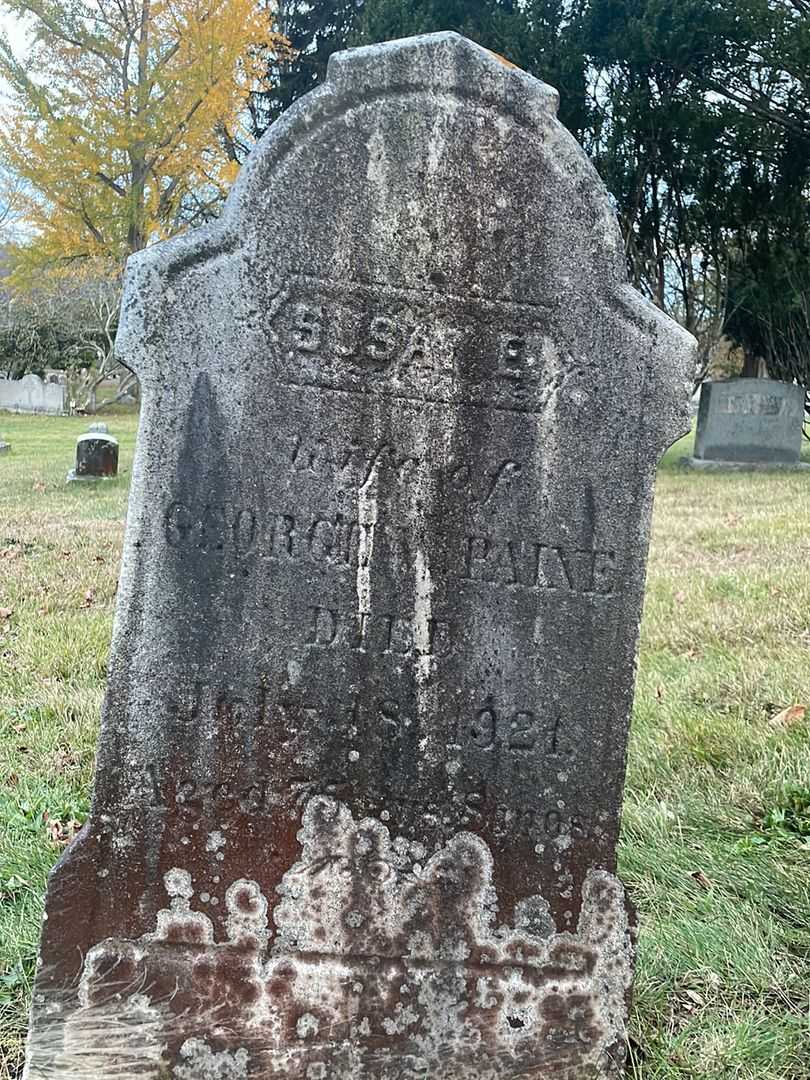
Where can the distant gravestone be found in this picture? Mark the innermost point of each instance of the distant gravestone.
(749, 421)
(4, 447)
(96, 455)
(31, 395)
(362, 755)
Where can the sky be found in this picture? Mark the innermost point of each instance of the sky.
(13, 27)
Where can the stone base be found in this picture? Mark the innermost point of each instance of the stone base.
(73, 477)
(709, 464)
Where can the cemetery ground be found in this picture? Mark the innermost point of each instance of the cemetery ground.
(716, 828)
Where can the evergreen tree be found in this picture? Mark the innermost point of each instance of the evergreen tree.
(540, 36)
(314, 30)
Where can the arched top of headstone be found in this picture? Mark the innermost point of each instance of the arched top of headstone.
(429, 169)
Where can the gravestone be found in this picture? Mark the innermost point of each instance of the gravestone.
(31, 395)
(749, 421)
(361, 763)
(4, 447)
(96, 455)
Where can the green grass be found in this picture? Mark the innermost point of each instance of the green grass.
(716, 837)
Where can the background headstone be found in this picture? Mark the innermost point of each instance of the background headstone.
(757, 421)
(361, 763)
(31, 395)
(96, 455)
(99, 426)
(4, 447)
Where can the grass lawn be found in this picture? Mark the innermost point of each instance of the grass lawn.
(716, 839)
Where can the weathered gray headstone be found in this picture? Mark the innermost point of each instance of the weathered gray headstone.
(362, 755)
(96, 455)
(751, 421)
(31, 395)
(99, 426)
(4, 447)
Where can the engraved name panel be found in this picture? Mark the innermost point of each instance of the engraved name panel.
(426, 344)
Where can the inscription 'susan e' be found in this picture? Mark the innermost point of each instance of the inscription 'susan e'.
(420, 344)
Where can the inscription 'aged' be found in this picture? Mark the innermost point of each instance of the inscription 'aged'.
(361, 759)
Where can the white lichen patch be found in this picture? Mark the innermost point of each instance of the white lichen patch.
(307, 1026)
(377, 944)
(367, 517)
(215, 841)
(422, 615)
(247, 914)
(199, 1062)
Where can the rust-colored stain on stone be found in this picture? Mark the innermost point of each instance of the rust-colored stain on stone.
(374, 963)
(504, 61)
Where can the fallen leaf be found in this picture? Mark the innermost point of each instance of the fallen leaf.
(62, 832)
(39, 486)
(680, 596)
(659, 692)
(6, 612)
(693, 995)
(65, 760)
(793, 714)
(89, 598)
(701, 879)
(98, 558)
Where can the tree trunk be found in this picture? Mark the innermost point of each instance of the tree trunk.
(752, 366)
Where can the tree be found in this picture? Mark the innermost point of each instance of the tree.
(132, 125)
(769, 266)
(33, 334)
(12, 195)
(314, 30)
(763, 67)
(709, 183)
(540, 36)
(66, 321)
(657, 141)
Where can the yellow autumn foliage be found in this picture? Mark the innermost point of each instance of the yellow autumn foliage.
(125, 117)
